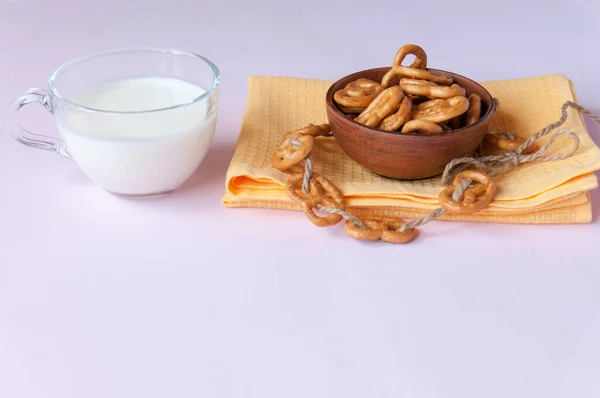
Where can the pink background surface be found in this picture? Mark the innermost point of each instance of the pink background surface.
(105, 297)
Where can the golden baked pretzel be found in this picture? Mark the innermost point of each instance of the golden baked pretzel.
(409, 80)
(403, 71)
(394, 121)
(293, 149)
(384, 104)
(358, 93)
(503, 143)
(474, 198)
(321, 193)
(421, 126)
(474, 112)
(420, 61)
(384, 228)
(441, 109)
(313, 130)
(431, 90)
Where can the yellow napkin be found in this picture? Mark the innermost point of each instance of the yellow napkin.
(537, 192)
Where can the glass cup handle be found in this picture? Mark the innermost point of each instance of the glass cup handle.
(27, 137)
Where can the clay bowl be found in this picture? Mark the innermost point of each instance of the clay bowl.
(406, 156)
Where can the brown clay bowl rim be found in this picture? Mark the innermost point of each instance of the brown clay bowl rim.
(352, 76)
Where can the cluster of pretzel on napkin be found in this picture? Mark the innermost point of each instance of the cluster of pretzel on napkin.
(421, 101)
(316, 194)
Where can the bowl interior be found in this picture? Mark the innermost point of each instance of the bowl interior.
(406, 156)
(488, 104)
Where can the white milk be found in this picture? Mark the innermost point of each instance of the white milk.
(138, 153)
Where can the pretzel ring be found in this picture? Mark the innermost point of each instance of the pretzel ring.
(474, 198)
(313, 130)
(421, 57)
(421, 126)
(418, 82)
(384, 228)
(472, 193)
(321, 193)
(398, 118)
(439, 110)
(403, 71)
(381, 106)
(293, 149)
(474, 112)
(372, 231)
(410, 80)
(511, 145)
(358, 93)
(431, 90)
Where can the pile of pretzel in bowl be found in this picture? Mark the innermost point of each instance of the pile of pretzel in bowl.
(421, 101)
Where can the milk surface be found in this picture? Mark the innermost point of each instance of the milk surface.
(145, 151)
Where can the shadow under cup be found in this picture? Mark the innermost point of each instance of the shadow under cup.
(137, 122)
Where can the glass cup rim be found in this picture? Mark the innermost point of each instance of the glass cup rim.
(64, 68)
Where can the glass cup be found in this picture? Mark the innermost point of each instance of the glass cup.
(138, 122)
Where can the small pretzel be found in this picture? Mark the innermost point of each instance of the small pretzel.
(313, 130)
(419, 82)
(358, 93)
(421, 126)
(321, 193)
(398, 118)
(474, 112)
(410, 80)
(431, 90)
(472, 193)
(293, 149)
(474, 198)
(422, 74)
(511, 145)
(487, 149)
(439, 110)
(384, 228)
(382, 106)
(372, 231)
(421, 57)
